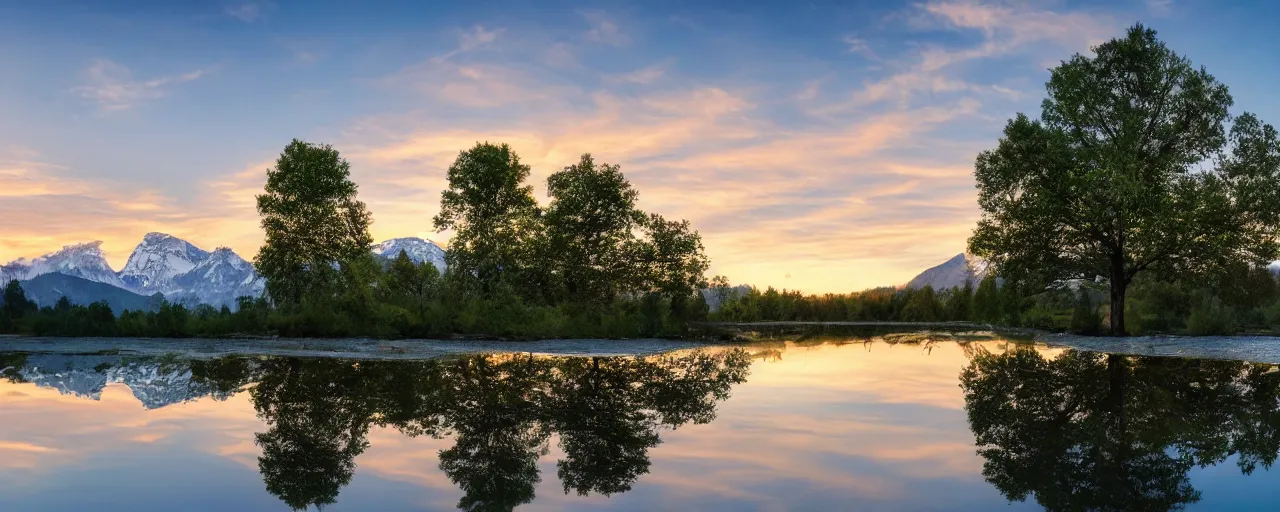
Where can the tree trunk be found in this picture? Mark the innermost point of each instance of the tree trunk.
(1118, 285)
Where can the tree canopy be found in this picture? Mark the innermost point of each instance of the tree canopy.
(1129, 169)
(491, 212)
(313, 223)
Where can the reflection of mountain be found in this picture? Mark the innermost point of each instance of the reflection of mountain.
(1085, 431)
(500, 411)
(154, 384)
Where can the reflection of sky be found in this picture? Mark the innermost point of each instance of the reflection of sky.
(853, 427)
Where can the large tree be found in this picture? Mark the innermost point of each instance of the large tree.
(590, 224)
(1129, 169)
(492, 212)
(670, 257)
(312, 221)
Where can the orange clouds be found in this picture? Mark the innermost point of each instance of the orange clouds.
(831, 181)
(42, 210)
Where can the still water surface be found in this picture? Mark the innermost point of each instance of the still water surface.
(779, 426)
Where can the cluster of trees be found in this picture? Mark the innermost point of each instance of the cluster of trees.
(1089, 431)
(590, 263)
(500, 411)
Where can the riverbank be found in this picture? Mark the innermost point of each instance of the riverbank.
(1262, 349)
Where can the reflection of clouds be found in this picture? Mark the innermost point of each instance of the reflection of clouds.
(70, 430)
(862, 423)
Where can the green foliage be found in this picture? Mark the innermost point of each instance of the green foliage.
(312, 222)
(671, 258)
(1192, 306)
(986, 302)
(1210, 317)
(14, 307)
(492, 212)
(1084, 317)
(958, 304)
(590, 226)
(922, 306)
(1109, 182)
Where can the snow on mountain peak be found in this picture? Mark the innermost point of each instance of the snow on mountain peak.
(84, 260)
(418, 250)
(955, 272)
(219, 279)
(157, 260)
(183, 272)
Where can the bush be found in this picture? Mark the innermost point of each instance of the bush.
(1209, 317)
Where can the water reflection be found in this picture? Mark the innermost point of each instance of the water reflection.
(1087, 431)
(500, 411)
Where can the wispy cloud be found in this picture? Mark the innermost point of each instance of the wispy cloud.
(247, 12)
(859, 46)
(45, 207)
(475, 38)
(604, 30)
(644, 76)
(113, 87)
(1006, 29)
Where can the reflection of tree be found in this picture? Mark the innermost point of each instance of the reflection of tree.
(493, 413)
(597, 407)
(318, 419)
(1091, 432)
(500, 411)
(224, 375)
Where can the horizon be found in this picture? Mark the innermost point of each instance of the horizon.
(833, 161)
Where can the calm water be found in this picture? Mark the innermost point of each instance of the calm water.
(816, 426)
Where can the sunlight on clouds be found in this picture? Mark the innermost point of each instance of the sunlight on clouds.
(111, 85)
(829, 180)
(44, 211)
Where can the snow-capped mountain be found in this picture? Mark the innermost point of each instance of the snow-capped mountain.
(181, 271)
(955, 272)
(417, 249)
(80, 260)
(161, 264)
(157, 261)
(220, 278)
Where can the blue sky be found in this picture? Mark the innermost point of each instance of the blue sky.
(826, 146)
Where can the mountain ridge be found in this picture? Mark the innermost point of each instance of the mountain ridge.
(177, 269)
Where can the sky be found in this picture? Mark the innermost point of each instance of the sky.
(820, 146)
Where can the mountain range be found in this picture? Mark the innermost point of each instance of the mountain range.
(166, 265)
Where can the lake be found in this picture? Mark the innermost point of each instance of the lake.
(828, 424)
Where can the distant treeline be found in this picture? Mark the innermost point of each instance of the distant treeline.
(1247, 300)
(588, 264)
